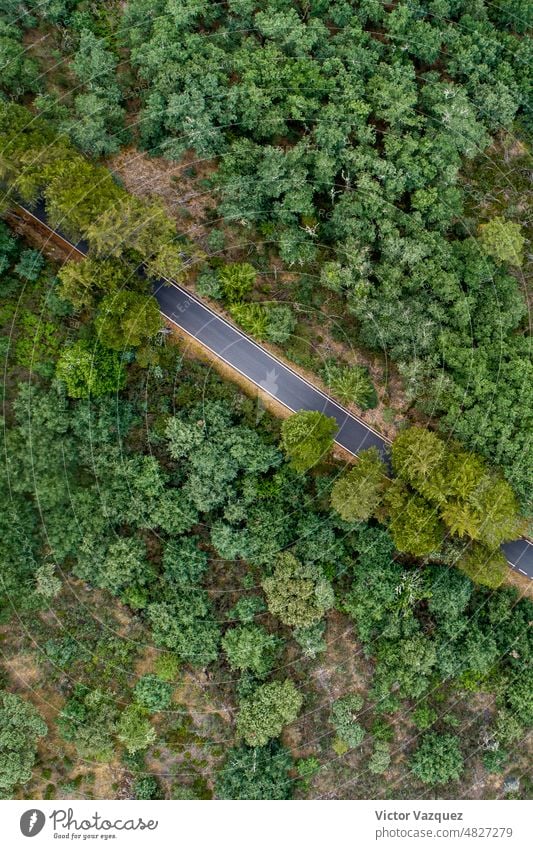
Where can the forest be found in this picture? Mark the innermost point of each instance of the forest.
(200, 599)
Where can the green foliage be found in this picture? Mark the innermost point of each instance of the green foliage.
(147, 787)
(382, 732)
(372, 599)
(343, 718)
(261, 772)
(184, 623)
(21, 726)
(405, 666)
(413, 522)
(20, 73)
(237, 280)
(89, 369)
(453, 486)
(97, 125)
(30, 265)
(424, 716)
(495, 760)
(70, 205)
(132, 223)
(125, 567)
(519, 694)
(89, 720)
(82, 282)
(280, 323)
(380, 758)
(167, 667)
(83, 198)
(251, 648)
(484, 566)
(311, 639)
(134, 730)
(351, 385)
(127, 320)
(184, 562)
(152, 693)
(215, 453)
(307, 767)
(264, 714)
(297, 593)
(39, 343)
(357, 494)
(208, 284)
(503, 240)
(48, 585)
(251, 317)
(438, 759)
(247, 608)
(306, 438)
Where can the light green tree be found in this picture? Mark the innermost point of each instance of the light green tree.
(306, 438)
(251, 648)
(343, 717)
(127, 320)
(357, 494)
(237, 280)
(89, 369)
(134, 729)
(413, 522)
(264, 714)
(297, 593)
(503, 240)
(21, 726)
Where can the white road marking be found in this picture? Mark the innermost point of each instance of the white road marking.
(263, 351)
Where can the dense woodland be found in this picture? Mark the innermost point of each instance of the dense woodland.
(198, 600)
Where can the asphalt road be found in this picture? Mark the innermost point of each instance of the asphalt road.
(251, 360)
(240, 352)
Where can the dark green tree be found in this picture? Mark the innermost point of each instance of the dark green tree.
(438, 759)
(260, 772)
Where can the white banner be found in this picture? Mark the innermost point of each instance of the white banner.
(267, 825)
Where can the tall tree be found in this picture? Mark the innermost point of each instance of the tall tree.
(264, 714)
(21, 726)
(259, 772)
(438, 759)
(357, 494)
(298, 594)
(306, 437)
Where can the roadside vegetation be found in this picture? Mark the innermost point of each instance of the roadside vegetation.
(197, 600)
(250, 641)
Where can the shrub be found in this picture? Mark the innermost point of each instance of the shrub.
(438, 759)
(237, 280)
(343, 718)
(153, 693)
(352, 385)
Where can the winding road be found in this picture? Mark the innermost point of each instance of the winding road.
(272, 376)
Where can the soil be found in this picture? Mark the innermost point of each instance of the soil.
(177, 184)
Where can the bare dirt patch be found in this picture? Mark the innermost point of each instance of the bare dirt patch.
(177, 184)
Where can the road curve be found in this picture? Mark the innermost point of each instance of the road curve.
(239, 351)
